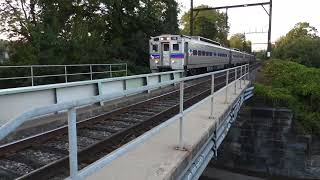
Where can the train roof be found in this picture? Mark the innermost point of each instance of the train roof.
(199, 38)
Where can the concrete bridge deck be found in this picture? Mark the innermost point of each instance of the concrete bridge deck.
(157, 157)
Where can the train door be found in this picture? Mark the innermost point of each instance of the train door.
(186, 52)
(230, 58)
(165, 57)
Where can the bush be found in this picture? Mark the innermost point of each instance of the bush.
(297, 85)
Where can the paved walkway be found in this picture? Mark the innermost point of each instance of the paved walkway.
(157, 158)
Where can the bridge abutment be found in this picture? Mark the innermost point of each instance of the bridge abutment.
(264, 142)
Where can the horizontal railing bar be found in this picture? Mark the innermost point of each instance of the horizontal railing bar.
(104, 72)
(26, 66)
(12, 78)
(79, 83)
(210, 73)
(76, 74)
(24, 117)
(58, 65)
(48, 75)
(58, 75)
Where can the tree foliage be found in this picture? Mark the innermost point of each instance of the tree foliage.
(239, 41)
(86, 31)
(301, 44)
(296, 84)
(261, 55)
(209, 24)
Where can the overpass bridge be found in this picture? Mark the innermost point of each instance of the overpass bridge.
(171, 133)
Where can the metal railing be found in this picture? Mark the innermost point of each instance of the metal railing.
(30, 71)
(72, 129)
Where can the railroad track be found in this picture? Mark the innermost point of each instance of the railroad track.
(45, 156)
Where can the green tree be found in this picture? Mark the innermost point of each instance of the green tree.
(301, 44)
(209, 24)
(261, 55)
(86, 31)
(239, 41)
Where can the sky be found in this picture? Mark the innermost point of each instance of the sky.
(285, 14)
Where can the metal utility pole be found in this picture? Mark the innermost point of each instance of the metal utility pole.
(269, 49)
(226, 17)
(191, 18)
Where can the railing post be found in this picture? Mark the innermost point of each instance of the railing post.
(31, 73)
(181, 145)
(244, 73)
(73, 154)
(65, 74)
(91, 72)
(147, 83)
(216, 139)
(235, 81)
(212, 93)
(240, 77)
(227, 83)
(99, 84)
(126, 69)
(110, 70)
(248, 74)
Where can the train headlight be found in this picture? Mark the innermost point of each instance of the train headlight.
(173, 61)
(156, 61)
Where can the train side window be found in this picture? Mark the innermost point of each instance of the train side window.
(175, 47)
(215, 54)
(210, 53)
(154, 48)
(203, 53)
(195, 52)
(199, 53)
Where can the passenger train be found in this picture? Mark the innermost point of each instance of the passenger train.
(193, 54)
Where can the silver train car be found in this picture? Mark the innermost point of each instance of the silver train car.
(193, 54)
